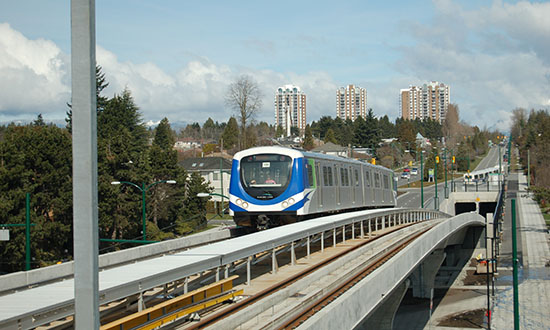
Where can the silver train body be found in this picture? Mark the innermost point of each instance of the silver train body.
(272, 186)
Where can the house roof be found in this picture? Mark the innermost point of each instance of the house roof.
(329, 147)
(205, 164)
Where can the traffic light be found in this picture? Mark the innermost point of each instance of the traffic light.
(453, 159)
(437, 159)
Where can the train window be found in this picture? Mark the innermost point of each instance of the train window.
(346, 176)
(367, 176)
(386, 182)
(342, 177)
(325, 176)
(265, 176)
(356, 178)
(330, 179)
(377, 180)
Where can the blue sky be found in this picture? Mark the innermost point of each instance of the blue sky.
(178, 57)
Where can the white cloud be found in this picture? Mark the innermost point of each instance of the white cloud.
(197, 91)
(33, 77)
(494, 58)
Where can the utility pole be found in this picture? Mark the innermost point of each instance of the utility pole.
(85, 196)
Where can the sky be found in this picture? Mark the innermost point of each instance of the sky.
(178, 58)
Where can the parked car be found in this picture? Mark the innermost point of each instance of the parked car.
(414, 171)
(405, 175)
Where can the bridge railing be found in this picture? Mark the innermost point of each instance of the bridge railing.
(372, 219)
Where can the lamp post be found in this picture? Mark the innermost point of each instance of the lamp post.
(446, 187)
(421, 179)
(143, 190)
(436, 162)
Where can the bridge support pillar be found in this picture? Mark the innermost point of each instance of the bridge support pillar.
(362, 229)
(382, 317)
(274, 265)
(322, 241)
(343, 233)
(383, 222)
(248, 262)
(292, 254)
(308, 246)
(423, 276)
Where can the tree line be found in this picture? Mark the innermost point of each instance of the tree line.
(37, 159)
(531, 135)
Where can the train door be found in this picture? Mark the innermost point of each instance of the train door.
(319, 190)
(353, 184)
(379, 196)
(337, 184)
(369, 191)
(363, 185)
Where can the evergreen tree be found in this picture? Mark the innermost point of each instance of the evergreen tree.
(164, 136)
(122, 156)
(308, 143)
(101, 101)
(36, 159)
(230, 134)
(39, 121)
(329, 137)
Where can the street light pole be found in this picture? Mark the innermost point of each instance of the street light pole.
(446, 192)
(421, 180)
(436, 162)
(143, 190)
(499, 166)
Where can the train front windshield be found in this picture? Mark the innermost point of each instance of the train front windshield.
(265, 176)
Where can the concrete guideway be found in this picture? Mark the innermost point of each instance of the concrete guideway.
(534, 286)
(351, 308)
(33, 307)
(285, 303)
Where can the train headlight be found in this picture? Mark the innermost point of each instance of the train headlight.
(239, 201)
(285, 204)
(245, 205)
(291, 201)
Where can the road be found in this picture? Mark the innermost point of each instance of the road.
(491, 159)
(412, 196)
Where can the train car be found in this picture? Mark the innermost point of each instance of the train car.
(272, 186)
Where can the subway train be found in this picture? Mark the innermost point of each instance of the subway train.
(272, 186)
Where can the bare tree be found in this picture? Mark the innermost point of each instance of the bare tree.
(519, 121)
(245, 98)
(451, 125)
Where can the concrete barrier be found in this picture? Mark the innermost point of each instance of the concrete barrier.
(24, 279)
(360, 301)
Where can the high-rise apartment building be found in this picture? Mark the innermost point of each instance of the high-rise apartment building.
(426, 101)
(290, 108)
(351, 102)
